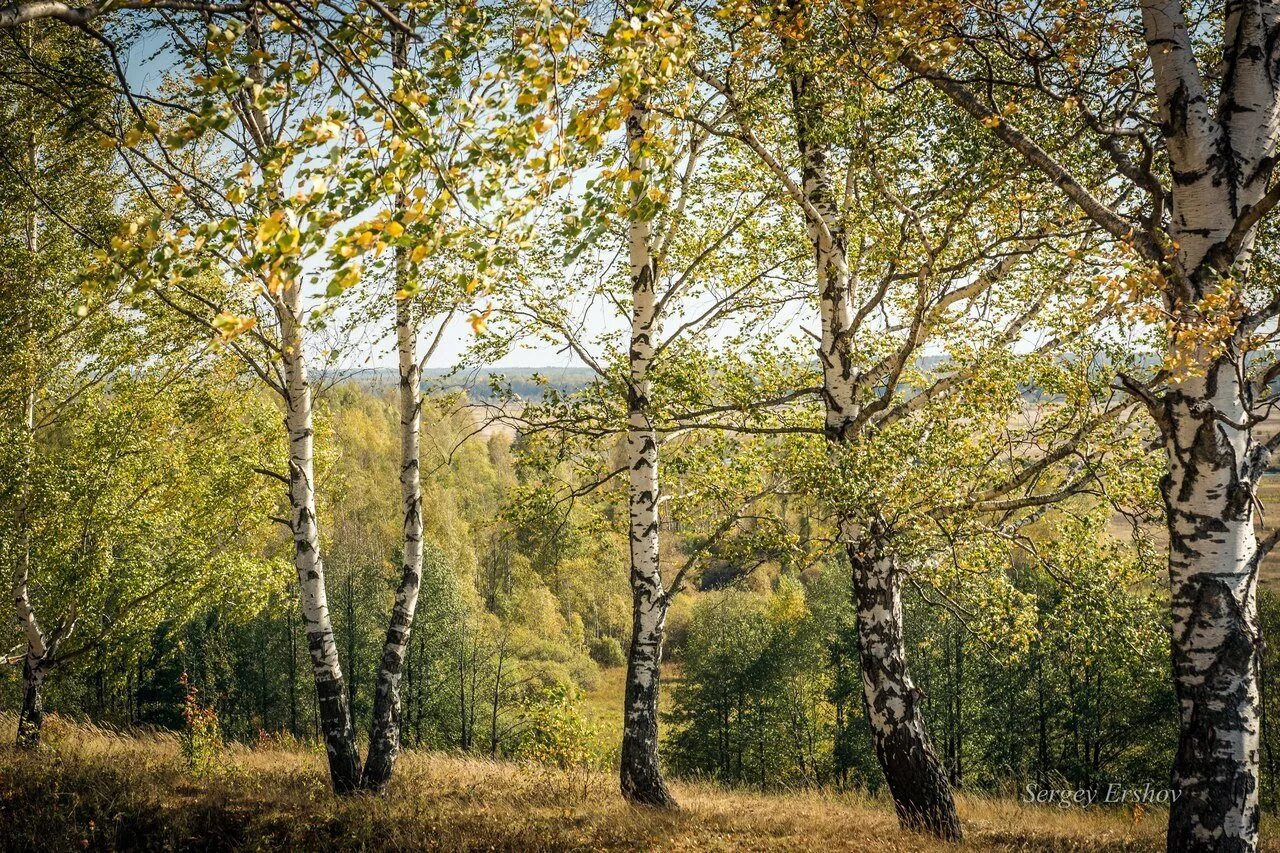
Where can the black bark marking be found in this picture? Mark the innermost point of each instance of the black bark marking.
(1213, 642)
(921, 794)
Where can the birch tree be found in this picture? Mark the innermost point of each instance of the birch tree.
(40, 265)
(899, 259)
(676, 242)
(126, 500)
(308, 162)
(253, 227)
(458, 198)
(622, 104)
(641, 777)
(1173, 128)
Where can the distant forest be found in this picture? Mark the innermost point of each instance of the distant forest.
(483, 383)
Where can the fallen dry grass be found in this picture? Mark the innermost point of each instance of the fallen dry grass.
(89, 788)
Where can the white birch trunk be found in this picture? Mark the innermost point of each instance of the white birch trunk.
(641, 774)
(1220, 162)
(1221, 137)
(1213, 571)
(921, 794)
(919, 788)
(335, 713)
(839, 385)
(38, 657)
(384, 735)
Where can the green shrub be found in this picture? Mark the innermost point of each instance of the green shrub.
(607, 651)
(201, 736)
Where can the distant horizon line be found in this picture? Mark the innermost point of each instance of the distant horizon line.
(444, 371)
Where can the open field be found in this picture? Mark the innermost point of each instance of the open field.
(92, 789)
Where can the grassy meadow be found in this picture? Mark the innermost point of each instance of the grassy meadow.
(94, 789)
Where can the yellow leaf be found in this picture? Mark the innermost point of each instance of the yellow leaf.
(478, 321)
(230, 325)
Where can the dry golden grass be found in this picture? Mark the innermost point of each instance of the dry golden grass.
(88, 788)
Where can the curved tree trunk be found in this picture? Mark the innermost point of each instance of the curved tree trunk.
(331, 694)
(641, 773)
(1213, 573)
(384, 733)
(921, 793)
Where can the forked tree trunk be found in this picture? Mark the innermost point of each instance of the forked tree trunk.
(384, 734)
(1220, 129)
(1214, 466)
(921, 793)
(1220, 164)
(641, 773)
(331, 695)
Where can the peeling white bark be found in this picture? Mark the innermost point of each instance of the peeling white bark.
(1220, 163)
(921, 794)
(835, 298)
(1213, 565)
(1220, 160)
(331, 694)
(1192, 133)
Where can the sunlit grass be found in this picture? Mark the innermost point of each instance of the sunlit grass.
(90, 788)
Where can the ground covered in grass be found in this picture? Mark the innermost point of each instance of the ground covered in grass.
(97, 790)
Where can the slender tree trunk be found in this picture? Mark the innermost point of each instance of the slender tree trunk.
(38, 658)
(384, 737)
(1214, 466)
(384, 732)
(333, 710)
(497, 699)
(349, 604)
(1042, 722)
(641, 772)
(957, 769)
(464, 738)
(916, 779)
(331, 696)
